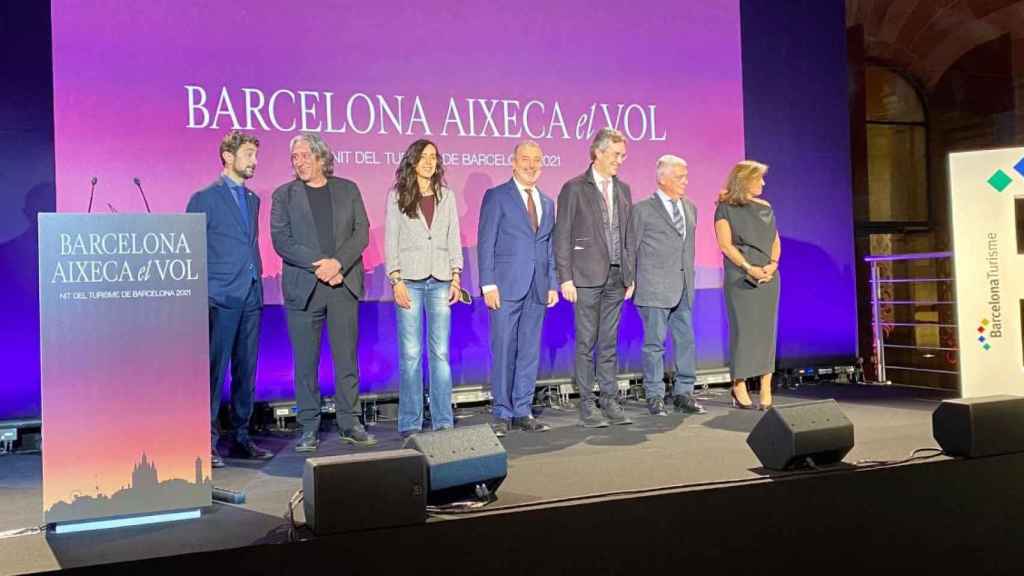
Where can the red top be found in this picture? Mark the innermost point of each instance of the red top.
(427, 208)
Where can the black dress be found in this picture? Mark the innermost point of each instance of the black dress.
(753, 308)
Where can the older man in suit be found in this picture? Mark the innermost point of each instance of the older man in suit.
(234, 272)
(590, 232)
(319, 226)
(517, 278)
(659, 263)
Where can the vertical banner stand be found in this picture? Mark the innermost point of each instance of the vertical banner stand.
(125, 369)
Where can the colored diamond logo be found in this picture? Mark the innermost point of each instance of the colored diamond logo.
(984, 322)
(1019, 167)
(1000, 180)
(986, 346)
(981, 338)
(981, 329)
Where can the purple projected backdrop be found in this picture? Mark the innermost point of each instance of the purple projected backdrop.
(149, 93)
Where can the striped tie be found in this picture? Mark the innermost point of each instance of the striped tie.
(677, 219)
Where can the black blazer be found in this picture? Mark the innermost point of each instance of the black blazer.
(581, 248)
(294, 235)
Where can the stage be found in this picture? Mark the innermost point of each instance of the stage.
(696, 469)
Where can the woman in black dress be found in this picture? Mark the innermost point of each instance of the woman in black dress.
(745, 227)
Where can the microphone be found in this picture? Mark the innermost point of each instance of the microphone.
(138, 184)
(92, 192)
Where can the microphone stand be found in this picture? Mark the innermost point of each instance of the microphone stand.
(138, 184)
(92, 193)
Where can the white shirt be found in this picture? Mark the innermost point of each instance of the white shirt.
(668, 206)
(540, 213)
(600, 180)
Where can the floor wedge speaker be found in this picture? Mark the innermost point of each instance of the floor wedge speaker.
(982, 426)
(363, 491)
(787, 436)
(461, 462)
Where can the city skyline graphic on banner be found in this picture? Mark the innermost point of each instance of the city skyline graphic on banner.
(143, 491)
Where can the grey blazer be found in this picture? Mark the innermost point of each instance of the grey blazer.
(581, 247)
(420, 252)
(294, 236)
(657, 258)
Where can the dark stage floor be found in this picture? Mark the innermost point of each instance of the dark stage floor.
(567, 461)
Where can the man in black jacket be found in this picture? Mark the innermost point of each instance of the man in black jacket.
(590, 236)
(319, 226)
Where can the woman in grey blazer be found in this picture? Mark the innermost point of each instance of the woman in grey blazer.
(423, 253)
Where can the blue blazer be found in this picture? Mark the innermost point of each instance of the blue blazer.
(509, 254)
(232, 251)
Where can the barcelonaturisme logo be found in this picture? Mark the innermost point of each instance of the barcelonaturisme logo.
(985, 345)
(991, 326)
(1000, 180)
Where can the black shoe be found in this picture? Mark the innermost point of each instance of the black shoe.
(529, 424)
(613, 412)
(590, 416)
(656, 407)
(687, 404)
(358, 436)
(309, 442)
(215, 460)
(500, 427)
(408, 433)
(250, 451)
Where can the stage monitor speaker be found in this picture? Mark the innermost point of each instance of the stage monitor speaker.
(462, 463)
(787, 436)
(363, 491)
(982, 426)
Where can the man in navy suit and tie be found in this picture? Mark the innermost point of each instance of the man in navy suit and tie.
(517, 278)
(235, 288)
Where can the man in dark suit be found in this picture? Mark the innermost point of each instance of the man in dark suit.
(590, 232)
(319, 227)
(517, 278)
(235, 288)
(659, 263)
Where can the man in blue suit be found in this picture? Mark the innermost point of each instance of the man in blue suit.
(517, 278)
(235, 288)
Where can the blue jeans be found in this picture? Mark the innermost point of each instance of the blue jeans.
(657, 321)
(431, 296)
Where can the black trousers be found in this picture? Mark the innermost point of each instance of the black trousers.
(340, 308)
(597, 314)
